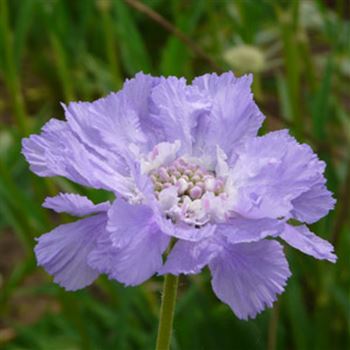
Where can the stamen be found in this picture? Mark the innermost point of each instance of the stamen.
(191, 182)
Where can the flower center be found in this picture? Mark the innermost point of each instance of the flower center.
(184, 189)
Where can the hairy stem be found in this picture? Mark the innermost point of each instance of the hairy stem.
(167, 312)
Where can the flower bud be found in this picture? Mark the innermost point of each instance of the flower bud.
(245, 59)
(196, 192)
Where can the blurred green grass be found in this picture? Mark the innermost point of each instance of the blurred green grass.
(61, 50)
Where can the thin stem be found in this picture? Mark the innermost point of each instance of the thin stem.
(289, 36)
(343, 210)
(62, 67)
(167, 312)
(273, 326)
(156, 17)
(111, 49)
(11, 75)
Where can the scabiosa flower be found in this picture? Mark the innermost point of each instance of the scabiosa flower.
(185, 164)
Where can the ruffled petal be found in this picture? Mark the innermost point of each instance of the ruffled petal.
(270, 172)
(132, 253)
(92, 146)
(242, 230)
(177, 109)
(114, 122)
(221, 166)
(74, 204)
(105, 256)
(234, 116)
(183, 231)
(300, 237)
(162, 154)
(137, 93)
(63, 252)
(190, 257)
(313, 204)
(248, 276)
(57, 151)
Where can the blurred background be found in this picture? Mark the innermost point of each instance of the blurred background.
(52, 51)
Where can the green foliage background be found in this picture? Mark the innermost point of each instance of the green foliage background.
(61, 50)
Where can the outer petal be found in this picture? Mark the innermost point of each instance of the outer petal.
(90, 148)
(57, 151)
(112, 123)
(234, 116)
(137, 92)
(300, 237)
(63, 251)
(272, 171)
(177, 108)
(190, 257)
(248, 276)
(105, 256)
(133, 251)
(74, 204)
(242, 230)
(313, 204)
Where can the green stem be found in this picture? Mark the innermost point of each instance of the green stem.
(167, 312)
(62, 67)
(10, 72)
(273, 328)
(111, 48)
(291, 51)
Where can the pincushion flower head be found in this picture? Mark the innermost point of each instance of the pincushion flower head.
(189, 172)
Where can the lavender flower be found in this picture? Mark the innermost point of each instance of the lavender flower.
(185, 163)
